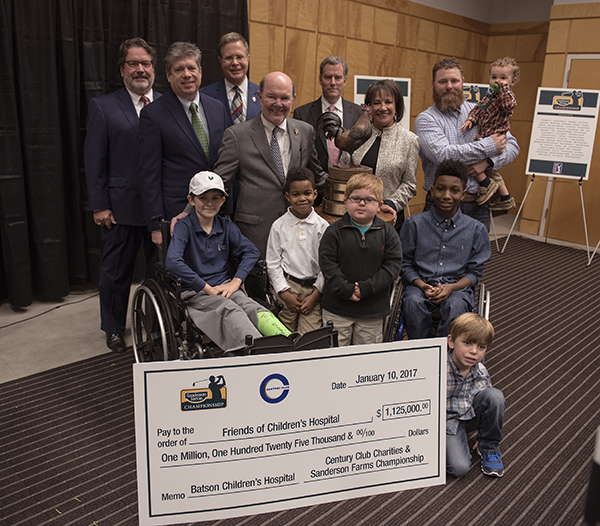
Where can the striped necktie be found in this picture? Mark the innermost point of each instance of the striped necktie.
(237, 107)
(199, 129)
(277, 153)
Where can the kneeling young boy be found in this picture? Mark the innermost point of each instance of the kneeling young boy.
(199, 253)
(444, 254)
(360, 257)
(293, 254)
(472, 404)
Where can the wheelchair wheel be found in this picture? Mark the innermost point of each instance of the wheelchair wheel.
(391, 323)
(152, 325)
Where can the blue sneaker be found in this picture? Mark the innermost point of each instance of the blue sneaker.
(491, 463)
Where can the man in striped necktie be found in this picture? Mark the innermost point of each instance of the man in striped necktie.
(235, 91)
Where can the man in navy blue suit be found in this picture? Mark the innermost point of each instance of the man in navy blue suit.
(179, 135)
(110, 155)
(234, 57)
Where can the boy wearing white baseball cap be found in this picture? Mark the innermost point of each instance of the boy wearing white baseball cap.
(199, 255)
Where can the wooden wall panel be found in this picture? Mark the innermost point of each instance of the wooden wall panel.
(408, 32)
(558, 35)
(302, 14)
(385, 27)
(301, 66)
(267, 44)
(361, 21)
(333, 17)
(267, 11)
(583, 37)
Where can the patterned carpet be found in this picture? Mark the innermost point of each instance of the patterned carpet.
(67, 436)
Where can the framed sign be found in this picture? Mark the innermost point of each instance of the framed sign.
(563, 133)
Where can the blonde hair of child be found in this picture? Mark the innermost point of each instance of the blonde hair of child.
(472, 327)
(365, 181)
(508, 61)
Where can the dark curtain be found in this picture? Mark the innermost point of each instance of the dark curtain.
(55, 55)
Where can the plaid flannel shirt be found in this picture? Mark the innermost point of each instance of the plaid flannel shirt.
(460, 392)
(492, 114)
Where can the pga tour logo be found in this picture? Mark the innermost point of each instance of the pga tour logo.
(274, 388)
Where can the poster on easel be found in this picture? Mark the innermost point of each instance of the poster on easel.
(562, 137)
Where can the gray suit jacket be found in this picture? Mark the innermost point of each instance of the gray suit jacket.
(310, 113)
(245, 154)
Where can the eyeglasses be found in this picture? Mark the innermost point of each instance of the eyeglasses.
(133, 64)
(356, 200)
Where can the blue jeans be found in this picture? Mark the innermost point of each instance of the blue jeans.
(488, 420)
(417, 311)
(479, 212)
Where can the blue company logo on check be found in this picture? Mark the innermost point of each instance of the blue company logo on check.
(212, 397)
(274, 388)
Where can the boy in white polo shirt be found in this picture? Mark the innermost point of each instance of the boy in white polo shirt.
(293, 254)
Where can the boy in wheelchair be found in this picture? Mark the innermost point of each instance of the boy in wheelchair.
(199, 254)
(444, 254)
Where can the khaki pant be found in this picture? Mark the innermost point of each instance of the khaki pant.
(495, 176)
(296, 321)
(355, 331)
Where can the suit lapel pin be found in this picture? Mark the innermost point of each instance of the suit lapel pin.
(295, 131)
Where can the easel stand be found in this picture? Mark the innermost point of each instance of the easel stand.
(557, 180)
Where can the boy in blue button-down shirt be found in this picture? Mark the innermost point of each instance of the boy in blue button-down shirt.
(199, 255)
(444, 254)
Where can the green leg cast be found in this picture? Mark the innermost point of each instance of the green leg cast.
(269, 324)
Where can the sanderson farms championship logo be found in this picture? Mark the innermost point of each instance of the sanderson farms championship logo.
(569, 100)
(212, 397)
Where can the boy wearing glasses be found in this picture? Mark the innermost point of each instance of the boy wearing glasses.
(444, 254)
(199, 254)
(360, 257)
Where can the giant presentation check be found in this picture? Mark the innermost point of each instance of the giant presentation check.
(238, 436)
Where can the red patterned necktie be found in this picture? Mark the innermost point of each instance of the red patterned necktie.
(145, 100)
(237, 107)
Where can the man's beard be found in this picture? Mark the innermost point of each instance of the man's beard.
(448, 100)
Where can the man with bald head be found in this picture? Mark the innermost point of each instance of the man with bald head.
(259, 153)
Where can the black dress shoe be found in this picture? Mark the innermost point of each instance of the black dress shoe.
(116, 342)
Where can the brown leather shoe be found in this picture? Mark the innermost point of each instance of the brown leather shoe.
(507, 204)
(486, 193)
(116, 342)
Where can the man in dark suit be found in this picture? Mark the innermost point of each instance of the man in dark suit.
(179, 136)
(333, 75)
(235, 91)
(110, 155)
(258, 154)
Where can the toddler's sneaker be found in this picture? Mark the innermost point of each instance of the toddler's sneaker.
(491, 463)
